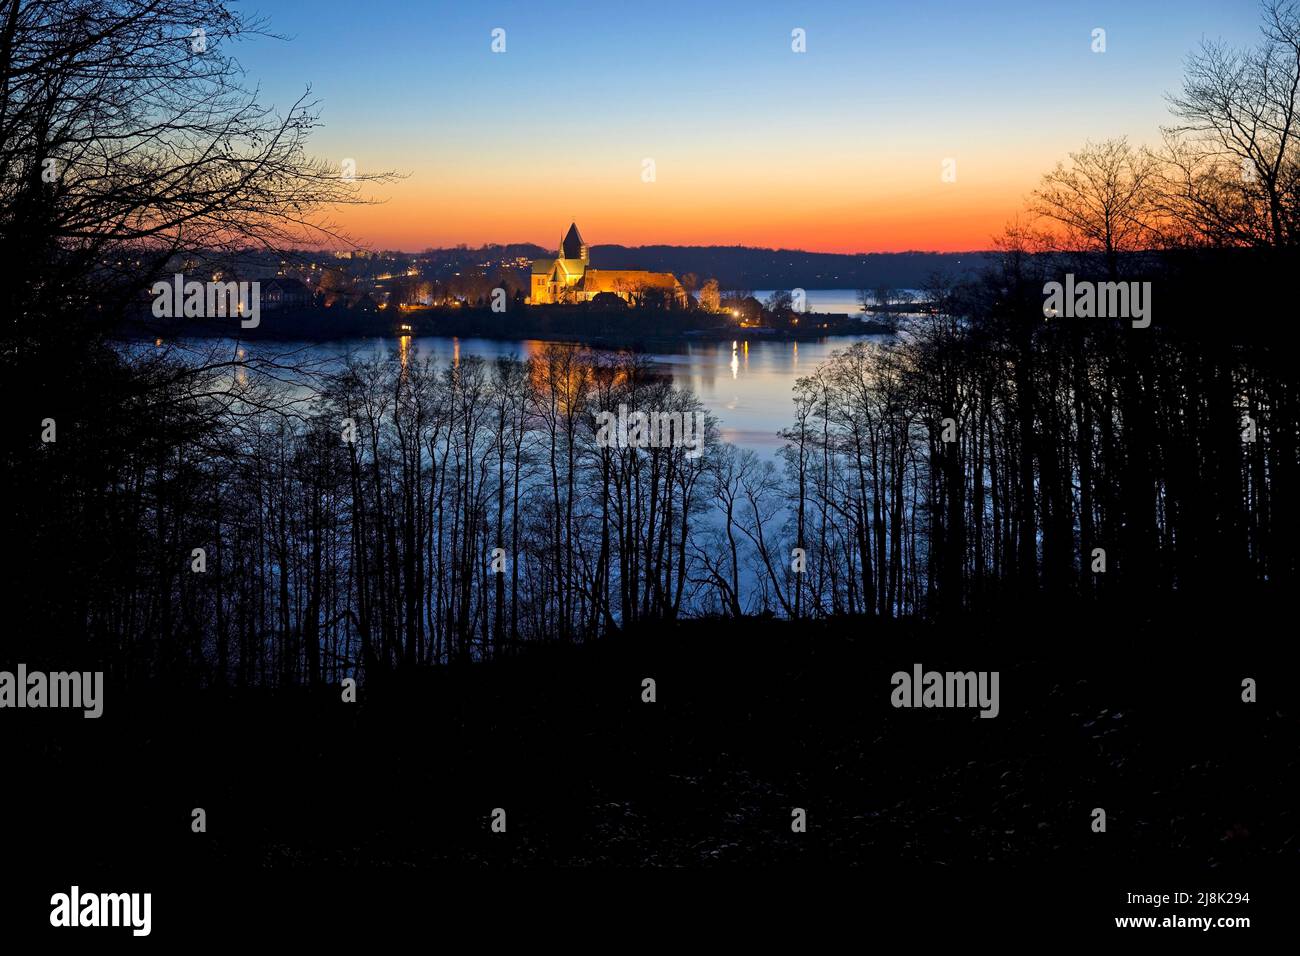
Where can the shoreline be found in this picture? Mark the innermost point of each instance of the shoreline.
(600, 330)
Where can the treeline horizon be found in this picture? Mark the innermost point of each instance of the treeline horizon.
(736, 268)
(755, 267)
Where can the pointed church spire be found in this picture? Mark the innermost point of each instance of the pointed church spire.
(572, 246)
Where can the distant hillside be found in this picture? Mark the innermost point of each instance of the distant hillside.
(735, 267)
(740, 267)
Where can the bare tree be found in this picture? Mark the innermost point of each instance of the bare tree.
(126, 133)
(1103, 198)
(710, 296)
(1232, 173)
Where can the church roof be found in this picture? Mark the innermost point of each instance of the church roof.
(626, 280)
(573, 267)
(287, 284)
(572, 243)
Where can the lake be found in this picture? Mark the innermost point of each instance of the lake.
(840, 301)
(747, 388)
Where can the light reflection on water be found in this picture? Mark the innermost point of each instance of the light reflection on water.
(748, 388)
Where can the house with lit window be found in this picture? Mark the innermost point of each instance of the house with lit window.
(285, 292)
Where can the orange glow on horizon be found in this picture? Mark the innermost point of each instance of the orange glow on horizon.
(894, 204)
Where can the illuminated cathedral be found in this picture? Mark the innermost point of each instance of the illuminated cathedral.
(569, 278)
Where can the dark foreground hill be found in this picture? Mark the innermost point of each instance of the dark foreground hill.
(1141, 717)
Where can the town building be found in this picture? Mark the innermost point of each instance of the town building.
(285, 292)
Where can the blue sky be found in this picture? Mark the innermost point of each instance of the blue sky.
(1012, 85)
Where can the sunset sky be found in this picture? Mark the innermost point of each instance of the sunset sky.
(838, 149)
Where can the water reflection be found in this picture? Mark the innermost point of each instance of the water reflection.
(747, 387)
